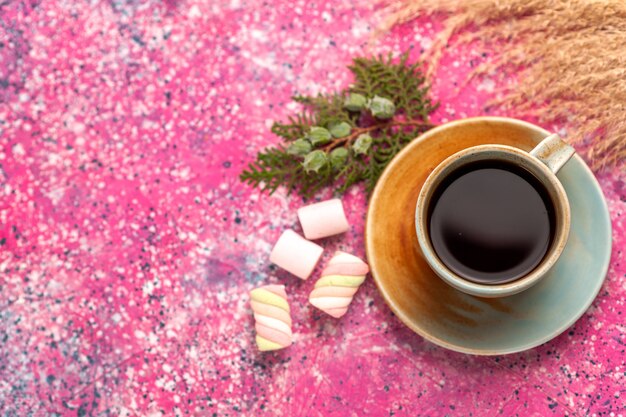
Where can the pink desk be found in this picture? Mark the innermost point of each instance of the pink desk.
(128, 244)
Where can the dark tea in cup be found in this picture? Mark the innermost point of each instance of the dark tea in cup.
(491, 221)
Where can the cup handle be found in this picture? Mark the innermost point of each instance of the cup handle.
(553, 152)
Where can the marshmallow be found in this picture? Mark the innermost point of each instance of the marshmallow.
(340, 280)
(323, 219)
(271, 314)
(295, 254)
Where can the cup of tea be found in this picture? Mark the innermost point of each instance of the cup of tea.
(492, 220)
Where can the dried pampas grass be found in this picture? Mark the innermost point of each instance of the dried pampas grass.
(571, 57)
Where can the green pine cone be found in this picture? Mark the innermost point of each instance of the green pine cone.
(314, 161)
(382, 108)
(362, 144)
(299, 147)
(341, 130)
(355, 102)
(319, 135)
(338, 157)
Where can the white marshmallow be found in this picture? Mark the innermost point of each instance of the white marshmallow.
(323, 219)
(295, 254)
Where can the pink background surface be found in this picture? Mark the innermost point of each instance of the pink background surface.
(128, 244)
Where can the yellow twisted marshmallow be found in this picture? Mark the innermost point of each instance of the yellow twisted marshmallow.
(340, 280)
(271, 313)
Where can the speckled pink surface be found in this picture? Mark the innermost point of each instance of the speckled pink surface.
(128, 244)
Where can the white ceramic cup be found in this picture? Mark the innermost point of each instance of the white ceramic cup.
(543, 162)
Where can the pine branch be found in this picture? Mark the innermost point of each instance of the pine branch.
(275, 167)
(296, 128)
(347, 140)
(344, 138)
(403, 84)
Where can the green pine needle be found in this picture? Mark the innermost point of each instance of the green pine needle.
(396, 80)
(400, 82)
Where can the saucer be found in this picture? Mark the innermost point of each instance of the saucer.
(458, 321)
